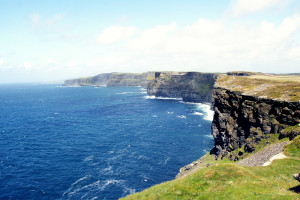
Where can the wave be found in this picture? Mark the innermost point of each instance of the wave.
(89, 158)
(107, 170)
(162, 98)
(208, 136)
(79, 180)
(96, 186)
(206, 108)
(197, 113)
(181, 116)
(170, 113)
(166, 160)
(125, 93)
(209, 114)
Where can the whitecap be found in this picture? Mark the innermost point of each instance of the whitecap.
(206, 108)
(154, 115)
(142, 157)
(89, 158)
(208, 136)
(181, 116)
(149, 97)
(125, 93)
(162, 98)
(191, 103)
(166, 160)
(79, 180)
(107, 170)
(143, 92)
(197, 113)
(170, 113)
(127, 190)
(73, 86)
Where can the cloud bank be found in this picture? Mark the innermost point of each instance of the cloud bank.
(209, 45)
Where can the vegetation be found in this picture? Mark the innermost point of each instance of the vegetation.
(226, 180)
(281, 87)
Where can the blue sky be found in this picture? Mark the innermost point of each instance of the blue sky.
(42, 41)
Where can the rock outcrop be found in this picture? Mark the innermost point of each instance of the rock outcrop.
(241, 121)
(190, 86)
(114, 80)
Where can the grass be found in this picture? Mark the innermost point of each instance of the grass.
(226, 180)
(280, 87)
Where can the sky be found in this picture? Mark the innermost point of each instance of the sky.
(54, 40)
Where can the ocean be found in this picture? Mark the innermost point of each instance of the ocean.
(94, 142)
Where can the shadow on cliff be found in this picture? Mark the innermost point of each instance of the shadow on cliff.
(295, 189)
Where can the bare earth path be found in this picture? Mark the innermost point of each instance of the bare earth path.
(263, 157)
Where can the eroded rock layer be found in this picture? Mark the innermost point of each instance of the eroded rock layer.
(241, 121)
(190, 86)
(114, 80)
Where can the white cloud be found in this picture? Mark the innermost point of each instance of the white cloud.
(28, 65)
(1, 60)
(115, 33)
(153, 37)
(212, 45)
(245, 7)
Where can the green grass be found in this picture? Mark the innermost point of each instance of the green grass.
(285, 88)
(230, 181)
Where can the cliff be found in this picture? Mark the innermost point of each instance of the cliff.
(113, 80)
(252, 110)
(248, 110)
(190, 86)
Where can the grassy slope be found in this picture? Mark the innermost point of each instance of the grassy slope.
(226, 180)
(281, 87)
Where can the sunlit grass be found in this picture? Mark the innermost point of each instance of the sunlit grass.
(278, 87)
(231, 181)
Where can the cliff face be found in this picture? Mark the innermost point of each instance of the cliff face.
(190, 86)
(241, 121)
(113, 80)
(127, 80)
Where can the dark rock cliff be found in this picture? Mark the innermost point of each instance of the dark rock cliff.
(113, 80)
(241, 121)
(190, 86)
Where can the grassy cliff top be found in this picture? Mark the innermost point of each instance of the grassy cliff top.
(280, 87)
(227, 180)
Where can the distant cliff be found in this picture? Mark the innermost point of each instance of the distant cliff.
(247, 110)
(190, 86)
(113, 80)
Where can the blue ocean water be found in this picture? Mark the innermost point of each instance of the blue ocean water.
(94, 143)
